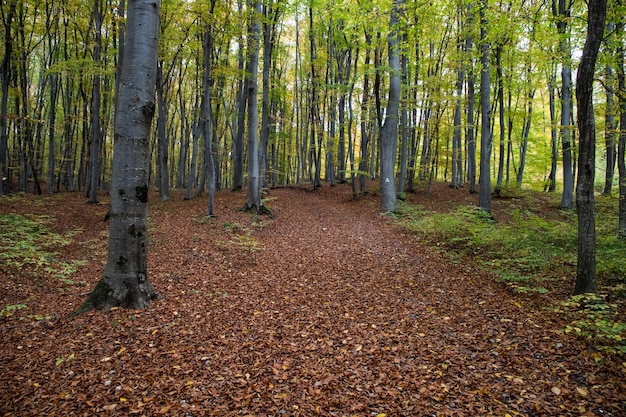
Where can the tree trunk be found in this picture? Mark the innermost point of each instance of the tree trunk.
(240, 120)
(254, 182)
(94, 173)
(609, 129)
(470, 139)
(551, 187)
(457, 134)
(206, 116)
(365, 111)
(562, 12)
(585, 199)
(621, 143)
(484, 195)
(163, 148)
(7, 21)
(501, 120)
(125, 282)
(389, 130)
(54, 93)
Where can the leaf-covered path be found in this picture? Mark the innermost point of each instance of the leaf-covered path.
(326, 309)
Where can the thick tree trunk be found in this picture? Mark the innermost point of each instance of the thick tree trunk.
(125, 282)
(254, 182)
(484, 195)
(206, 116)
(389, 130)
(585, 199)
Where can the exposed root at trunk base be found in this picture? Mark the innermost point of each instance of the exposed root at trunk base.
(263, 210)
(130, 295)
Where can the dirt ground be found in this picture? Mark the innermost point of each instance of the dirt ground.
(327, 308)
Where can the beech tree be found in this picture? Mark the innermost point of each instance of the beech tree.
(621, 143)
(562, 10)
(585, 199)
(125, 282)
(389, 130)
(484, 195)
(254, 181)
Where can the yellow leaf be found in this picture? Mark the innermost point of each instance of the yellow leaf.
(189, 383)
(582, 391)
(381, 415)
(556, 390)
(122, 399)
(35, 384)
(72, 356)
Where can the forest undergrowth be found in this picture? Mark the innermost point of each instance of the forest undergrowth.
(326, 308)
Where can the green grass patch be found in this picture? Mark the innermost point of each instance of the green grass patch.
(27, 244)
(532, 249)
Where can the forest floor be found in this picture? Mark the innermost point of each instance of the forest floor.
(327, 308)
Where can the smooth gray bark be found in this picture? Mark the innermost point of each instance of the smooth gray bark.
(586, 281)
(609, 130)
(254, 182)
(484, 194)
(162, 149)
(389, 129)
(562, 13)
(125, 282)
(94, 173)
(470, 138)
(240, 120)
(621, 143)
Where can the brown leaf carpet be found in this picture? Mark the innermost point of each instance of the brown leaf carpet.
(325, 309)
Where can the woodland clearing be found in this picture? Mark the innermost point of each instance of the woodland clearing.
(326, 308)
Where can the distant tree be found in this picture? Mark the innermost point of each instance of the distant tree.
(585, 199)
(609, 122)
(125, 282)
